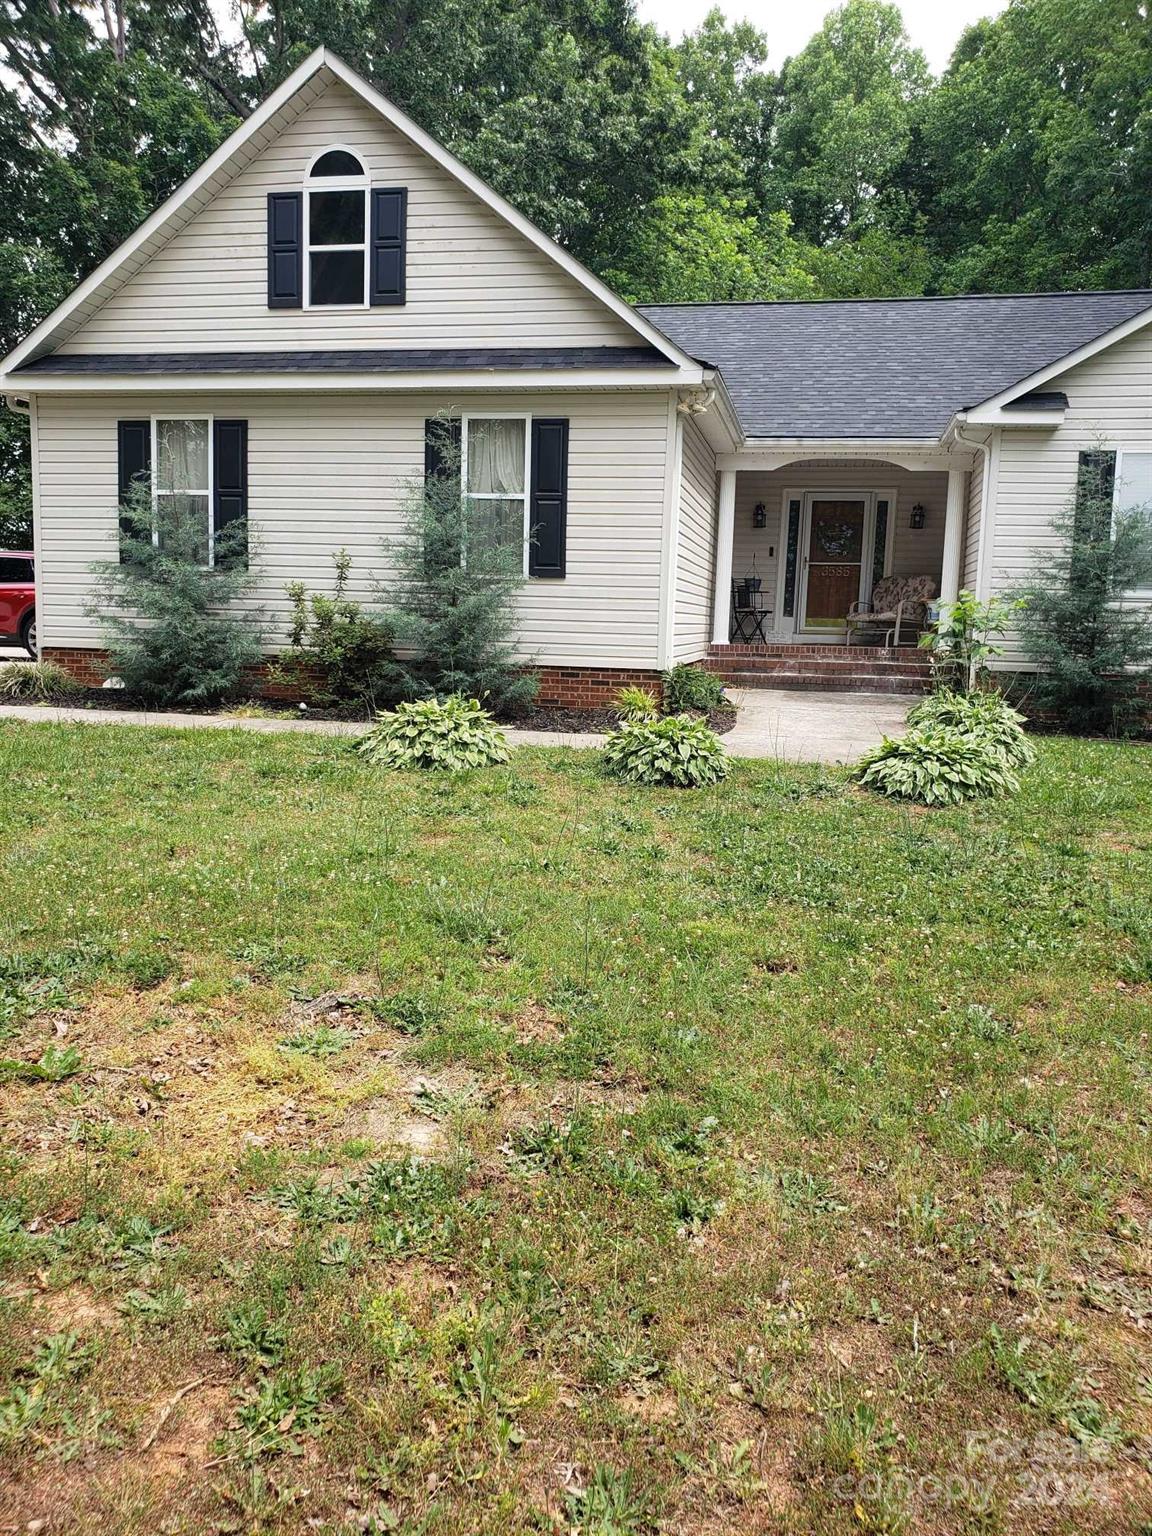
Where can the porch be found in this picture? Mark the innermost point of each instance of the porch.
(804, 542)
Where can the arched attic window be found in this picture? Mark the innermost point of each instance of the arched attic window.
(336, 222)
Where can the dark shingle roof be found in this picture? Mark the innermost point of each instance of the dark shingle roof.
(883, 367)
(351, 360)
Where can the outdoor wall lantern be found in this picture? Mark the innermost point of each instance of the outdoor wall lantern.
(917, 516)
(759, 516)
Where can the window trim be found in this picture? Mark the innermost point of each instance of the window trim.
(526, 418)
(361, 184)
(1142, 594)
(154, 477)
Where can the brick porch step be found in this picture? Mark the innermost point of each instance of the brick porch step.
(822, 682)
(826, 668)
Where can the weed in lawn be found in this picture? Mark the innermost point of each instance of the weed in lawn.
(611, 1503)
(323, 1041)
(253, 1335)
(284, 1406)
(55, 1064)
(157, 1308)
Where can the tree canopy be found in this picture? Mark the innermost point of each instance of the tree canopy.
(684, 170)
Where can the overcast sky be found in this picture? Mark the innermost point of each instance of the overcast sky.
(934, 25)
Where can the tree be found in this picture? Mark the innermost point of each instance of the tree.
(1033, 157)
(1079, 622)
(690, 250)
(844, 119)
(450, 602)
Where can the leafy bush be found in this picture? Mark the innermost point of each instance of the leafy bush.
(962, 640)
(333, 635)
(937, 766)
(165, 616)
(451, 599)
(37, 680)
(633, 703)
(679, 750)
(986, 715)
(687, 687)
(1091, 642)
(452, 733)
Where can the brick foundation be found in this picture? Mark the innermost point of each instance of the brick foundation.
(590, 687)
(562, 687)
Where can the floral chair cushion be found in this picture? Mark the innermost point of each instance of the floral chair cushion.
(915, 592)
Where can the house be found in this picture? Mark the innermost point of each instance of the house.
(275, 341)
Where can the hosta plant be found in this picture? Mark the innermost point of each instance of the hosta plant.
(679, 750)
(939, 766)
(452, 733)
(986, 715)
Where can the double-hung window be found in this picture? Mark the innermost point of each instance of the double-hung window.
(182, 482)
(336, 222)
(1133, 488)
(494, 455)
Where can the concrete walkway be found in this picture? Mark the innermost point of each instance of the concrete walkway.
(793, 727)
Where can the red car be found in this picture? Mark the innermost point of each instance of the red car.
(18, 599)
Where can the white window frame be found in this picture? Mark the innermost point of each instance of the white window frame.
(361, 183)
(155, 475)
(1142, 594)
(526, 418)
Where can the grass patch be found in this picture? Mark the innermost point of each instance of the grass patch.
(525, 1151)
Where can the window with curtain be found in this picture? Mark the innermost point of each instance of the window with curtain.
(495, 461)
(182, 481)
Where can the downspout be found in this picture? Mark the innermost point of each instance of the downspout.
(19, 405)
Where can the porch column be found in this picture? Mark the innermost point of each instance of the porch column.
(953, 537)
(722, 575)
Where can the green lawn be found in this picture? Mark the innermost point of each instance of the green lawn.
(767, 1159)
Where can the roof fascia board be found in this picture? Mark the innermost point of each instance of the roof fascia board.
(448, 161)
(985, 416)
(916, 454)
(155, 222)
(24, 385)
(1062, 365)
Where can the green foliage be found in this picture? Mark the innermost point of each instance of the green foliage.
(679, 750)
(333, 635)
(1079, 624)
(937, 766)
(37, 681)
(55, 1064)
(845, 118)
(986, 715)
(635, 703)
(689, 248)
(451, 598)
(167, 624)
(451, 733)
(692, 688)
(962, 641)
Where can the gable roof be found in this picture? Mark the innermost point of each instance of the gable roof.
(301, 87)
(887, 367)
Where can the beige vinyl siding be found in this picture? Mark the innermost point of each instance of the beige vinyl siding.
(331, 471)
(1109, 406)
(472, 280)
(970, 563)
(758, 551)
(697, 543)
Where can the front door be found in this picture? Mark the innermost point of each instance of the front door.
(833, 560)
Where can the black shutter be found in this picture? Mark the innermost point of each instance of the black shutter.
(230, 488)
(442, 462)
(548, 508)
(389, 217)
(285, 250)
(134, 461)
(1095, 491)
